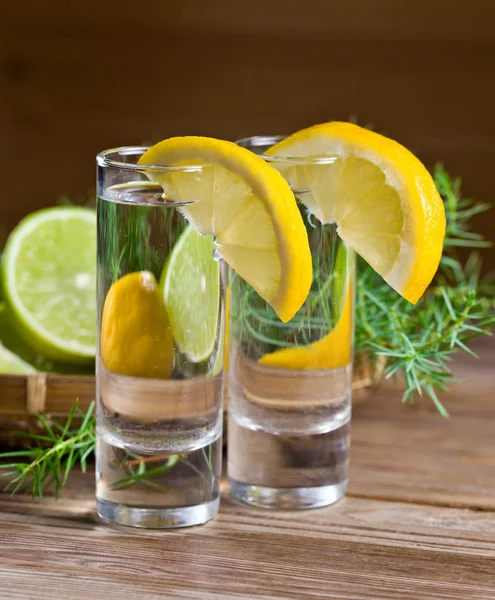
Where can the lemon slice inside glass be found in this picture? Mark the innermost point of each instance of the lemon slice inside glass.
(136, 338)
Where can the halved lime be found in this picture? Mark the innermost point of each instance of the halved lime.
(49, 282)
(191, 292)
(12, 364)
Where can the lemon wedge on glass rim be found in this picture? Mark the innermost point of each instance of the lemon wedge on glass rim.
(382, 198)
(247, 206)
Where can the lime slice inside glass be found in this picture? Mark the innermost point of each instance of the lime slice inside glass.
(49, 282)
(191, 292)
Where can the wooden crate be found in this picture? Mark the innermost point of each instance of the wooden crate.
(22, 397)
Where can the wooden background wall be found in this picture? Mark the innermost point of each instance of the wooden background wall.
(78, 77)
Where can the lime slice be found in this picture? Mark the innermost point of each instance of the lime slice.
(11, 364)
(191, 292)
(49, 282)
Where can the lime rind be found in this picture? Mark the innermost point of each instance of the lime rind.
(11, 364)
(11, 340)
(219, 361)
(44, 289)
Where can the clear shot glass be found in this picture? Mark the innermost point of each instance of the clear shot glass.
(289, 384)
(160, 351)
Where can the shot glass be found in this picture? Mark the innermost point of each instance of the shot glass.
(160, 351)
(289, 384)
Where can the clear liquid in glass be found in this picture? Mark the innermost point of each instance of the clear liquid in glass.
(160, 437)
(289, 427)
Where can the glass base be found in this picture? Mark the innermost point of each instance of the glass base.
(156, 518)
(287, 498)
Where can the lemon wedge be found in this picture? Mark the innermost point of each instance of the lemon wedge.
(247, 206)
(381, 196)
(333, 351)
(136, 338)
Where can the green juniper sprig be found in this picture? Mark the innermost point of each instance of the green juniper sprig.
(53, 455)
(458, 212)
(139, 253)
(419, 340)
(142, 470)
(59, 449)
(148, 470)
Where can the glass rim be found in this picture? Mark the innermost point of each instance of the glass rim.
(103, 160)
(252, 141)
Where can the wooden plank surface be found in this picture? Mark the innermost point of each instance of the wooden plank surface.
(408, 453)
(357, 549)
(78, 77)
(418, 523)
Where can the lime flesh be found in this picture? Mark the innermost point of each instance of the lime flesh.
(191, 292)
(49, 282)
(11, 340)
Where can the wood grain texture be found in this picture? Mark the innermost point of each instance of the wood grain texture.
(409, 453)
(357, 549)
(417, 524)
(56, 396)
(76, 78)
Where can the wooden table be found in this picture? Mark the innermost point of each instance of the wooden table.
(418, 522)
